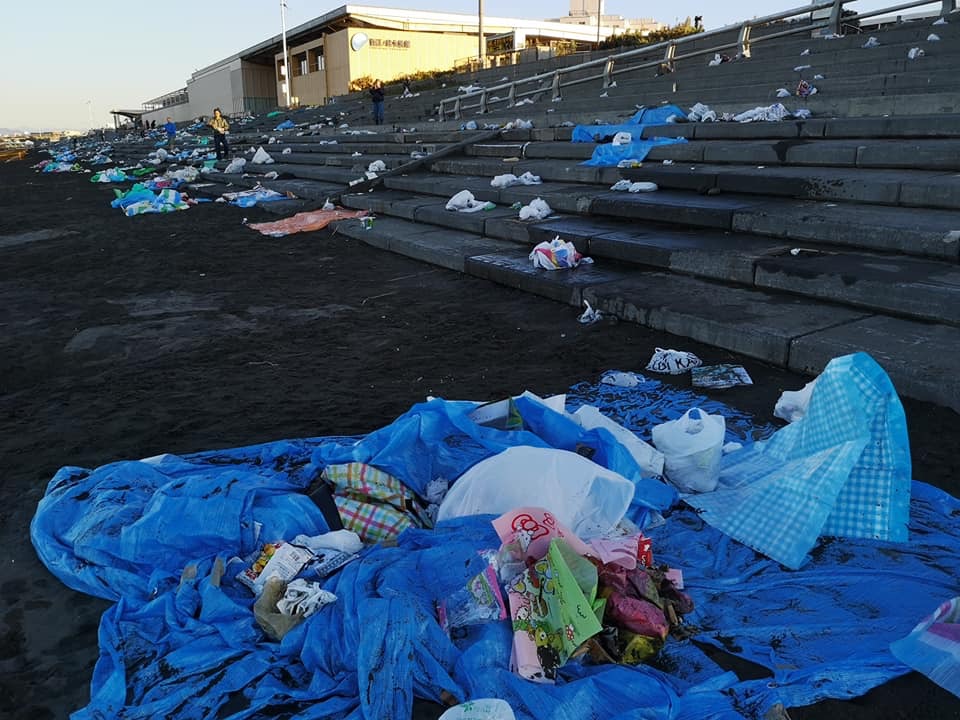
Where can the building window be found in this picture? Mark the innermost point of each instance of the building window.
(299, 64)
(316, 59)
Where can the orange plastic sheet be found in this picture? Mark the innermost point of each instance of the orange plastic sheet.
(306, 221)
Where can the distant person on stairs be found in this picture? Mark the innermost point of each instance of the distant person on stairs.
(220, 129)
(376, 94)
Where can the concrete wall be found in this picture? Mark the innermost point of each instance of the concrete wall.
(310, 88)
(387, 54)
(180, 113)
(214, 89)
(382, 58)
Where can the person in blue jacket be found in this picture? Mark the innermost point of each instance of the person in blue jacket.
(171, 127)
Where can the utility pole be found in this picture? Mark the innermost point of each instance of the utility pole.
(286, 58)
(481, 45)
(599, 16)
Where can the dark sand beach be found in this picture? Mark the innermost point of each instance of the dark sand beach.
(127, 337)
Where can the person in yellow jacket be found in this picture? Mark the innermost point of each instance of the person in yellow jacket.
(220, 129)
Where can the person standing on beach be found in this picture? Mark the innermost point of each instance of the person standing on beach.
(220, 129)
(171, 127)
(376, 94)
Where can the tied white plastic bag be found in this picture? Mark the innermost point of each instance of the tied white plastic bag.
(692, 447)
(622, 138)
(673, 362)
(792, 404)
(483, 709)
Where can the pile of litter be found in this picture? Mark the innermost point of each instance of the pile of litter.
(556, 254)
(141, 200)
(548, 594)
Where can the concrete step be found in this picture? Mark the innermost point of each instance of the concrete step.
(918, 188)
(911, 231)
(443, 247)
(894, 285)
(898, 286)
(784, 330)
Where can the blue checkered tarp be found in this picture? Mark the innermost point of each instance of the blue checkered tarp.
(843, 470)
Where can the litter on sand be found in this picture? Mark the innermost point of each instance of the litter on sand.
(596, 567)
(719, 377)
(306, 221)
(673, 362)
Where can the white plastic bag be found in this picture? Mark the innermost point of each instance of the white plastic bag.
(622, 138)
(673, 362)
(235, 166)
(483, 709)
(792, 404)
(586, 497)
(692, 447)
(261, 157)
(649, 459)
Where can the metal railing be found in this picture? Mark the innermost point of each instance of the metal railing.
(669, 52)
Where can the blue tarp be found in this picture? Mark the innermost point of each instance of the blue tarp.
(191, 649)
(645, 117)
(609, 155)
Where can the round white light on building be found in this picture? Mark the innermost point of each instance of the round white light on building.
(358, 40)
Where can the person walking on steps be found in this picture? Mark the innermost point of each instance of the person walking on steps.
(220, 129)
(376, 94)
(171, 127)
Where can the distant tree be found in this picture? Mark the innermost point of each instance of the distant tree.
(634, 39)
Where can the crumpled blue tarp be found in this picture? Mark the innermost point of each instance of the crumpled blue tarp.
(190, 648)
(610, 155)
(285, 125)
(645, 117)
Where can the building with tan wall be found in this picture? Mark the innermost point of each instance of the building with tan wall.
(329, 52)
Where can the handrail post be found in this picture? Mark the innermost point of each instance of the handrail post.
(440, 115)
(744, 40)
(836, 12)
(457, 114)
(555, 93)
(483, 102)
(669, 54)
(947, 7)
(512, 95)
(608, 73)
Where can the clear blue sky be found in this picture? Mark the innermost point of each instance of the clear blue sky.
(56, 55)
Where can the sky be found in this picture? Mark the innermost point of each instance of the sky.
(64, 64)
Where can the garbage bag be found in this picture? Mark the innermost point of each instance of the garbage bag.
(587, 498)
(261, 157)
(692, 447)
(235, 166)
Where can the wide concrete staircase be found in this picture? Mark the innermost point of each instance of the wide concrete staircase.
(791, 242)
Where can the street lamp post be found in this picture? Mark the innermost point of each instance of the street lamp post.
(481, 45)
(286, 58)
